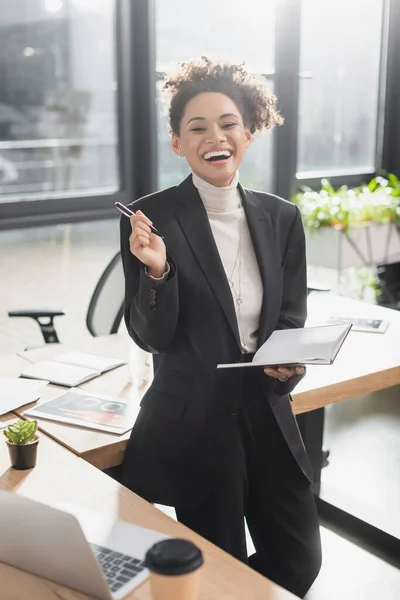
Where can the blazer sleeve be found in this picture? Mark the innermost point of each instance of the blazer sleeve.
(151, 307)
(294, 300)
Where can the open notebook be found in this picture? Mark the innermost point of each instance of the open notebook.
(59, 373)
(308, 346)
(89, 361)
(72, 368)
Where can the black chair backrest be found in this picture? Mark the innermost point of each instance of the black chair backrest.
(107, 303)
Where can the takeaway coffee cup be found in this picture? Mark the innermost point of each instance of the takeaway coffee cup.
(174, 566)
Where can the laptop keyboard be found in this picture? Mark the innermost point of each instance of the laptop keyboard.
(117, 568)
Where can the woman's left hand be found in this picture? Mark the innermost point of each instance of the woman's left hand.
(283, 373)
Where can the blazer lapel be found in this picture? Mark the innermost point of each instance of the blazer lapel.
(267, 254)
(193, 219)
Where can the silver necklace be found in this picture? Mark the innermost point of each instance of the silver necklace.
(238, 262)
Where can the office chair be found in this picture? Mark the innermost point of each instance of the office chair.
(105, 308)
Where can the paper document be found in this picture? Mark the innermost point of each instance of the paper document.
(59, 373)
(89, 361)
(15, 392)
(361, 324)
(308, 346)
(95, 411)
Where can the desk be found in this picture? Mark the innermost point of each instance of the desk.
(366, 363)
(11, 365)
(101, 449)
(61, 476)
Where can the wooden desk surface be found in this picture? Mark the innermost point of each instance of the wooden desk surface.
(101, 449)
(367, 362)
(60, 476)
(11, 365)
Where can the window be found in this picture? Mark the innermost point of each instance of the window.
(58, 117)
(230, 30)
(171, 168)
(339, 86)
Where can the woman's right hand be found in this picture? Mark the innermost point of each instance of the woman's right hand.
(147, 247)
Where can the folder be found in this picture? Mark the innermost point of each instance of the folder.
(294, 347)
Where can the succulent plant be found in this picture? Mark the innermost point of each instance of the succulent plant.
(21, 432)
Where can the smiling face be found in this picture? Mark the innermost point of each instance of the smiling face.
(212, 137)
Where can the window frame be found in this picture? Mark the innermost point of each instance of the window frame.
(351, 177)
(390, 159)
(134, 35)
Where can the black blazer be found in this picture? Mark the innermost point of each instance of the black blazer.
(183, 432)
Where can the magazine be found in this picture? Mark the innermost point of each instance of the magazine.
(361, 324)
(94, 411)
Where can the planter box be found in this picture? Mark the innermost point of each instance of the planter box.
(366, 245)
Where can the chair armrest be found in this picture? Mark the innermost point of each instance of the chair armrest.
(44, 318)
(35, 313)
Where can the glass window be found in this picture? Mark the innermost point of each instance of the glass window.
(171, 168)
(229, 29)
(58, 116)
(221, 30)
(339, 85)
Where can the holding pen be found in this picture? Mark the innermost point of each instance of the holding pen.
(150, 250)
(129, 213)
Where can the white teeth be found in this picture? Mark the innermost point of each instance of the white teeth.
(224, 153)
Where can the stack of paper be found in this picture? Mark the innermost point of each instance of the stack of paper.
(16, 392)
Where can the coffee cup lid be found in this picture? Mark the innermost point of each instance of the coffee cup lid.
(173, 557)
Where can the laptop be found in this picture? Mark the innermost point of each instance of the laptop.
(79, 549)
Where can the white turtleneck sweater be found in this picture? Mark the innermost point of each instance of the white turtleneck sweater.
(229, 226)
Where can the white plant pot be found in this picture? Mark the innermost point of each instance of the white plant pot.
(366, 245)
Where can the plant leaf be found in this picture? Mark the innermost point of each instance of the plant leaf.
(21, 432)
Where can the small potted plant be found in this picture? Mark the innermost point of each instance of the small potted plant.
(22, 441)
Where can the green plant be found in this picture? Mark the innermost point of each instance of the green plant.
(379, 202)
(21, 433)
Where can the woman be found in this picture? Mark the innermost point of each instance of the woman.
(220, 445)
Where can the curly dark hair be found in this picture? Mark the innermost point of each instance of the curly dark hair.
(248, 92)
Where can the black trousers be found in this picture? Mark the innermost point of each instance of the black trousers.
(311, 425)
(263, 484)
